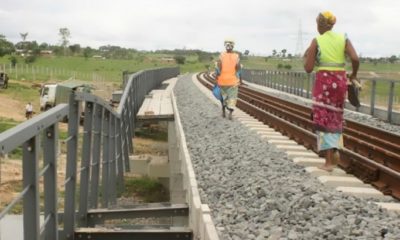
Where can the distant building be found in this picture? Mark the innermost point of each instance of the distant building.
(20, 52)
(168, 59)
(98, 57)
(46, 53)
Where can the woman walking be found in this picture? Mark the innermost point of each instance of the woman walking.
(327, 53)
(228, 66)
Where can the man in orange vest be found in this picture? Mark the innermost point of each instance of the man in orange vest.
(228, 66)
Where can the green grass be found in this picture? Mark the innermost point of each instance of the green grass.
(111, 69)
(21, 92)
(382, 91)
(62, 68)
(6, 124)
(154, 133)
(62, 135)
(150, 190)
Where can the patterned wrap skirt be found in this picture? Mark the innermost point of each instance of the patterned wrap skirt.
(229, 96)
(329, 94)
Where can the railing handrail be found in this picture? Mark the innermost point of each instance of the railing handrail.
(300, 83)
(16, 136)
(104, 130)
(126, 93)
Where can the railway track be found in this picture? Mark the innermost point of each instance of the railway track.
(371, 154)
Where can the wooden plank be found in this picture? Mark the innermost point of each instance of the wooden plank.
(144, 107)
(155, 104)
(159, 106)
(166, 106)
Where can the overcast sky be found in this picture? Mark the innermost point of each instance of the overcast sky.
(257, 25)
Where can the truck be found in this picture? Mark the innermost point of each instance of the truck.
(3, 80)
(56, 93)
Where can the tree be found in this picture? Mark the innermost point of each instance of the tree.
(34, 48)
(274, 52)
(44, 46)
(23, 36)
(76, 48)
(392, 59)
(246, 52)
(23, 43)
(65, 34)
(6, 47)
(13, 61)
(87, 52)
(283, 51)
(58, 50)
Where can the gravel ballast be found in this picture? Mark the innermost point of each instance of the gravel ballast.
(255, 192)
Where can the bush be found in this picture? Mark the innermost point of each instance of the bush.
(280, 66)
(13, 61)
(288, 66)
(30, 59)
(204, 57)
(180, 59)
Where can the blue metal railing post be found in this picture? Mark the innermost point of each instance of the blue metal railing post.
(50, 148)
(70, 182)
(120, 156)
(390, 101)
(96, 150)
(373, 94)
(128, 118)
(112, 183)
(105, 160)
(85, 164)
(30, 168)
(126, 140)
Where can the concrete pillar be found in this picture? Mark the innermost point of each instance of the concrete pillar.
(177, 193)
(176, 177)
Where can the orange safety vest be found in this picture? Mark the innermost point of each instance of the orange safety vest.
(228, 69)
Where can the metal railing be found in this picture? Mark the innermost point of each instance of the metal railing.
(105, 148)
(301, 83)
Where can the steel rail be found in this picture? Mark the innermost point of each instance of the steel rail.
(383, 174)
(365, 144)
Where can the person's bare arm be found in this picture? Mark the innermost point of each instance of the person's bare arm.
(309, 56)
(239, 70)
(355, 62)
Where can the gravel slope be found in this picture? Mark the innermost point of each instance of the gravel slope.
(256, 192)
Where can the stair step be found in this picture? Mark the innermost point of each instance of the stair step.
(143, 234)
(99, 216)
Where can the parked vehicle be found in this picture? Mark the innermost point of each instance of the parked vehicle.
(3, 80)
(53, 94)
